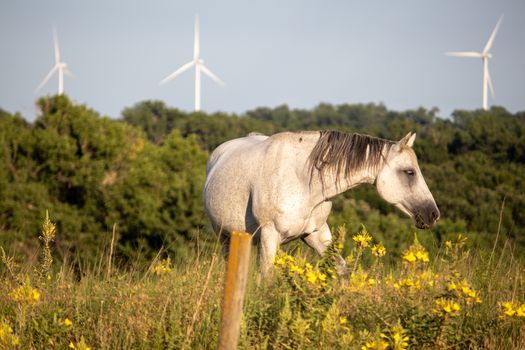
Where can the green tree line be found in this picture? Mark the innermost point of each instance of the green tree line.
(91, 172)
(145, 172)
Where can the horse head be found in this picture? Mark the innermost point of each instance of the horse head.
(401, 183)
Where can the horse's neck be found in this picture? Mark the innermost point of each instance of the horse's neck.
(333, 184)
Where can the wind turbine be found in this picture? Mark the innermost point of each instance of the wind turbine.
(59, 66)
(199, 67)
(484, 55)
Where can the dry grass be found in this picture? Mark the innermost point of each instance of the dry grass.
(450, 300)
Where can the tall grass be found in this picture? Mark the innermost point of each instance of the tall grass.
(457, 298)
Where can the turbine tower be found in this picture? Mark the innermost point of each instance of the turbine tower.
(59, 66)
(199, 67)
(485, 55)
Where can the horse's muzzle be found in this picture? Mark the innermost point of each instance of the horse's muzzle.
(427, 216)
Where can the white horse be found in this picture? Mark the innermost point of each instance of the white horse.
(279, 187)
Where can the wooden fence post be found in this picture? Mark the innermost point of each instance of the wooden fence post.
(234, 288)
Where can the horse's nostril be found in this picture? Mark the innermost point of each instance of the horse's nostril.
(434, 215)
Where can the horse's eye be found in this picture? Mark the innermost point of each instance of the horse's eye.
(410, 172)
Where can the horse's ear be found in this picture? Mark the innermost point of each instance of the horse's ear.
(408, 140)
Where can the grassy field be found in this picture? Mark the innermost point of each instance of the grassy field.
(456, 298)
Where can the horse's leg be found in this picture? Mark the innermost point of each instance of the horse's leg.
(224, 238)
(319, 240)
(268, 244)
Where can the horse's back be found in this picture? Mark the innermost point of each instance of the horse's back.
(236, 145)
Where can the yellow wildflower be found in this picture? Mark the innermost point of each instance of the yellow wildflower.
(396, 337)
(358, 280)
(279, 261)
(470, 295)
(410, 257)
(466, 289)
(447, 307)
(25, 294)
(311, 277)
(427, 277)
(296, 269)
(509, 309)
(342, 320)
(452, 286)
(376, 345)
(67, 322)
(408, 282)
(520, 312)
(378, 250)
(81, 345)
(7, 338)
(400, 342)
(416, 253)
(422, 255)
(162, 267)
(362, 239)
(321, 276)
(349, 260)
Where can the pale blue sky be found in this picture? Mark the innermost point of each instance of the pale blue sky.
(298, 52)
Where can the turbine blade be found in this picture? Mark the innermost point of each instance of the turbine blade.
(196, 39)
(182, 69)
(209, 73)
(489, 81)
(46, 79)
(55, 42)
(465, 54)
(488, 46)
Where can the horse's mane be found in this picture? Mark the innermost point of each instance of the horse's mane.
(345, 153)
